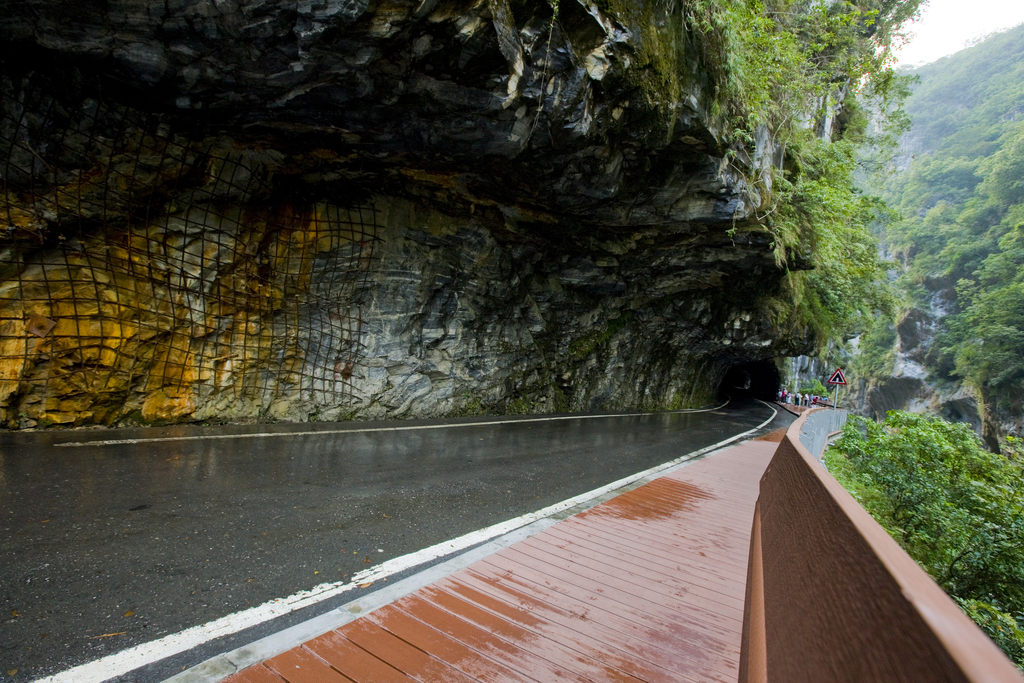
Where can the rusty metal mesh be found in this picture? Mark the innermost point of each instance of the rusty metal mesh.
(148, 267)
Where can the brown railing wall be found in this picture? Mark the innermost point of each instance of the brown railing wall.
(832, 597)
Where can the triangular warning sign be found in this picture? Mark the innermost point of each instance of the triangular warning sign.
(837, 377)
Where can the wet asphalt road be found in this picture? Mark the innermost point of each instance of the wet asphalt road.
(147, 539)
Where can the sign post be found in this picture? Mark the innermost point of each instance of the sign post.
(839, 379)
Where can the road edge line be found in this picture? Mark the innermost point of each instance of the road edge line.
(126, 661)
(367, 430)
(226, 664)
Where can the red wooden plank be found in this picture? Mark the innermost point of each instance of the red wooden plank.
(717, 550)
(733, 464)
(630, 565)
(521, 656)
(673, 497)
(726, 472)
(254, 674)
(738, 483)
(689, 565)
(570, 653)
(302, 666)
(352, 661)
(701, 536)
(671, 526)
(611, 583)
(650, 583)
(581, 631)
(414, 663)
(723, 550)
(628, 623)
(676, 630)
(729, 566)
(721, 547)
(649, 640)
(730, 463)
(634, 567)
(651, 601)
(631, 516)
(419, 650)
(681, 526)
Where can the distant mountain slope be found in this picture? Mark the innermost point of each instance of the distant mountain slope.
(965, 101)
(958, 346)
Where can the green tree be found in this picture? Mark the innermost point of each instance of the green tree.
(962, 206)
(875, 352)
(837, 282)
(1003, 172)
(954, 507)
(783, 69)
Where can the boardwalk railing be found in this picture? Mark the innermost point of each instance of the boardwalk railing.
(831, 597)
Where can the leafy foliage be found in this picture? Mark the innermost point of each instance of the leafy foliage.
(842, 282)
(775, 62)
(875, 353)
(962, 200)
(814, 387)
(964, 102)
(1002, 628)
(954, 507)
(781, 69)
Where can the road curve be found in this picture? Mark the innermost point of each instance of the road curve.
(107, 545)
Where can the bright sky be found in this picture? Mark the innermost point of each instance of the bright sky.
(946, 26)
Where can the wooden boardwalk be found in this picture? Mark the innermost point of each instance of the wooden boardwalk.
(648, 586)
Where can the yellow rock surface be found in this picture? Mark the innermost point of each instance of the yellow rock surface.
(159, 405)
(152, 316)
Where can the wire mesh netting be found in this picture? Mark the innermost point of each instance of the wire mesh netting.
(148, 269)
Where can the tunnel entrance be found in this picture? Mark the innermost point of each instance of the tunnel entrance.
(751, 379)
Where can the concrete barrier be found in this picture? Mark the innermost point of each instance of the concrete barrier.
(818, 426)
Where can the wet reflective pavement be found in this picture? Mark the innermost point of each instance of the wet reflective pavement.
(648, 586)
(108, 546)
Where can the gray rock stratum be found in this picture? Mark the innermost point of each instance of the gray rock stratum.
(912, 384)
(346, 209)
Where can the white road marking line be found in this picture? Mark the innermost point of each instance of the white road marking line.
(225, 664)
(263, 435)
(144, 654)
(221, 666)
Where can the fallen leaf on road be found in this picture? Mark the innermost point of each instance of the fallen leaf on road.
(45, 521)
(14, 612)
(364, 585)
(12, 672)
(129, 614)
(366, 560)
(386, 516)
(108, 635)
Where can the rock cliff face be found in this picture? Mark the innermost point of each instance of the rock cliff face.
(911, 386)
(338, 209)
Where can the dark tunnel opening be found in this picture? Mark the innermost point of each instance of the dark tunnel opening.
(751, 379)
